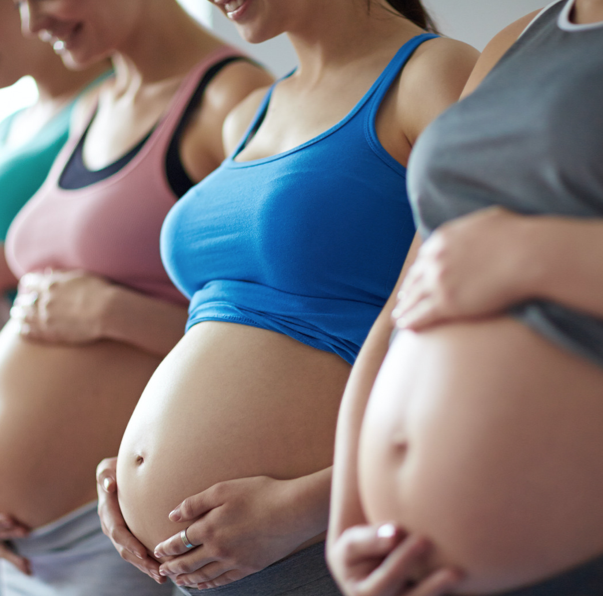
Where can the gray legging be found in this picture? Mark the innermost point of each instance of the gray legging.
(72, 557)
(303, 574)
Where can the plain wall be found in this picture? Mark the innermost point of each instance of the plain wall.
(473, 21)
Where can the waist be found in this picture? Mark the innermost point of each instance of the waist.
(230, 401)
(496, 457)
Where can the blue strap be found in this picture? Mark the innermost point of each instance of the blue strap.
(397, 63)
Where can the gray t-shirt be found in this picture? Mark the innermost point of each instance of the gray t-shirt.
(529, 139)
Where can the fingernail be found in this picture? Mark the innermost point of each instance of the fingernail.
(139, 555)
(175, 515)
(107, 484)
(163, 572)
(402, 322)
(386, 531)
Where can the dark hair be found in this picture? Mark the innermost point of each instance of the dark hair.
(414, 11)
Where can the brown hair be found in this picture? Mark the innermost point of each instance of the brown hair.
(414, 11)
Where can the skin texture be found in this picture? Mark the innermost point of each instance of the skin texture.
(94, 345)
(481, 458)
(226, 400)
(21, 56)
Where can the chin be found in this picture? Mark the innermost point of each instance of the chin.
(80, 61)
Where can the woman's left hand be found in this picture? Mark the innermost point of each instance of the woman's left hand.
(242, 526)
(61, 306)
(472, 267)
(10, 528)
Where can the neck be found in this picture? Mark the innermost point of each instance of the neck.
(165, 44)
(346, 32)
(57, 84)
(588, 11)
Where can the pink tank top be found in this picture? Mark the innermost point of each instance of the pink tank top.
(110, 228)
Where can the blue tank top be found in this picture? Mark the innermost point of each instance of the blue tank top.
(309, 242)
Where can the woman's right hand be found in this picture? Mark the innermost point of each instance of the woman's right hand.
(384, 561)
(10, 528)
(114, 525)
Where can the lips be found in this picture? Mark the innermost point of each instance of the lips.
(233, 8)
(60, 40)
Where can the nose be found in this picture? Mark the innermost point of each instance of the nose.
(33, 20)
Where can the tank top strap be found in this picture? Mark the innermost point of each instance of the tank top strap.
(381, 86)
(167, 125)
(258, 117)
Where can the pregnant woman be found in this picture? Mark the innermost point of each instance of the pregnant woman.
(31, 138)
(86, 248)
(483, 430)
(288, 252)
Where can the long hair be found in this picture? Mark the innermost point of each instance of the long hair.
(414, 11)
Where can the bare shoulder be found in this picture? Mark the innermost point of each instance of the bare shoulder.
(239, 119)
(432, 81)
(496, 49)
(233, 84)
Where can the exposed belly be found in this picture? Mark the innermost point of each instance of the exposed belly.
(488, 439)
(62, 409)
(229, 402)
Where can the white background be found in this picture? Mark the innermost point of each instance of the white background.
(473, 21)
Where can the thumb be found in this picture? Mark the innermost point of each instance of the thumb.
(369, 542)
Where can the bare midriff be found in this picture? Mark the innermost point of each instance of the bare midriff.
(230, 401)
(486, 438)
(62, 410)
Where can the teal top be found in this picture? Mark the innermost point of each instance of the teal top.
(23, 169)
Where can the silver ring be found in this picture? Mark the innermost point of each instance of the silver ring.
(185, 540)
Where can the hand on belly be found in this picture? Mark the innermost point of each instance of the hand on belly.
(472, 437)
(235, 528)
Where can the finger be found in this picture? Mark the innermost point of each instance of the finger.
(30, 281)
(21, 563)
(106, 473)
(112, 520)
(368, 542)
(147, 565)
(439, 583)
(425, 313)
(115, 528)
(222, 580)
(11, 528)
(186, 564)
(410, 297)
(175, 545)
(195, 506)
(208, 573)
(392, 576)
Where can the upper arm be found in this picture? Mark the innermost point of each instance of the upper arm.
(202, 141)
(495, 50)
(432, 81)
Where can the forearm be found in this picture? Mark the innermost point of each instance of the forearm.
(308, 500)
(569, 252)
(148, 323)
(346, 507)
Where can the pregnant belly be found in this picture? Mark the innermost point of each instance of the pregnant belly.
(62, 409)
(229, 402)
(487, 439)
